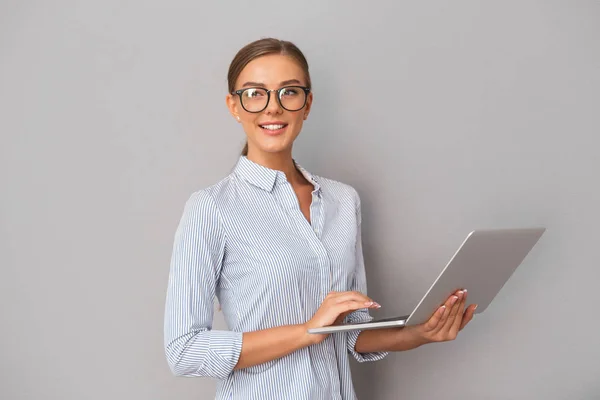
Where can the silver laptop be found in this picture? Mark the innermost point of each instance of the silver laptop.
(482, 264)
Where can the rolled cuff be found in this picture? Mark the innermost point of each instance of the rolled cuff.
(209, 353)
(223, 353)
(352, 337)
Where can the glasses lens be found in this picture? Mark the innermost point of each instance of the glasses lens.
(254, 99)
(292, 98)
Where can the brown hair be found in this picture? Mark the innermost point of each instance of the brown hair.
(259, 48)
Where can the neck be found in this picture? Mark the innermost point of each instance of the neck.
(278, 161)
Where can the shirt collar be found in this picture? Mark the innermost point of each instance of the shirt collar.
(266, 178)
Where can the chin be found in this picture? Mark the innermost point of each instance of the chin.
(273, 149)
(273, 145)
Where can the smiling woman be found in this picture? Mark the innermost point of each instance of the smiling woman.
(299, 267)
(259, 70)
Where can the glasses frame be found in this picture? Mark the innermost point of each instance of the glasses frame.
(304, 88)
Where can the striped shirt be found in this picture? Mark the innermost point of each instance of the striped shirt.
(245, 241)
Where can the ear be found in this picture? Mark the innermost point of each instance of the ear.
(309, 101)
(232, 106)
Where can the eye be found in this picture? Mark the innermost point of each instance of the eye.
(289, 92)
(254, 93)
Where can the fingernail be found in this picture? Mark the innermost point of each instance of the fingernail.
(465, 290)
(377, 305)
(475, 307)
(442, 308)
(460, 294)
(454, 298)
(369, 303)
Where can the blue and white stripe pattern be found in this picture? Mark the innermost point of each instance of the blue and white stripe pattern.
(245, 241)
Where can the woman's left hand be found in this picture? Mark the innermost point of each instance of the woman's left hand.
(446, 321)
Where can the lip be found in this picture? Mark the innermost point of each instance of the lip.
(276, 132)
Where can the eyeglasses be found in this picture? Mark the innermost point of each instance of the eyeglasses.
(255, 100)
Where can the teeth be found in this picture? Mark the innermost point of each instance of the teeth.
(272, 127)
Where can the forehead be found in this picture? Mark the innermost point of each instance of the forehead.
(271, 70)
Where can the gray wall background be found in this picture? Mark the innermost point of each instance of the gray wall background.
(446, 116)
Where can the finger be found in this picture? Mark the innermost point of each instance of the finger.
(435, 319)
(469, 313)
(334, 294)
(348, 306)
(445, 328)
(351, 296)
(459, 315)
(450, 302)
(456, 312)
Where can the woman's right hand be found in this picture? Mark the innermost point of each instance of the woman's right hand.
(334, 308)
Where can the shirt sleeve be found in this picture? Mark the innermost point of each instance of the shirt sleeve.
(359, 284)
(192, 348)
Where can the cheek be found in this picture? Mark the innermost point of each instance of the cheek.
(297, 126)
(250, 123)
(299, 119)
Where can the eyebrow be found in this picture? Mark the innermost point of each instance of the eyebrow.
(258, 84)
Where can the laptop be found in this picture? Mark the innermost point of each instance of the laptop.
(483, 263)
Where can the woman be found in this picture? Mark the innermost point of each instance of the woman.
(281, 250)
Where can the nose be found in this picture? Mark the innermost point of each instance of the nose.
(273, 107)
